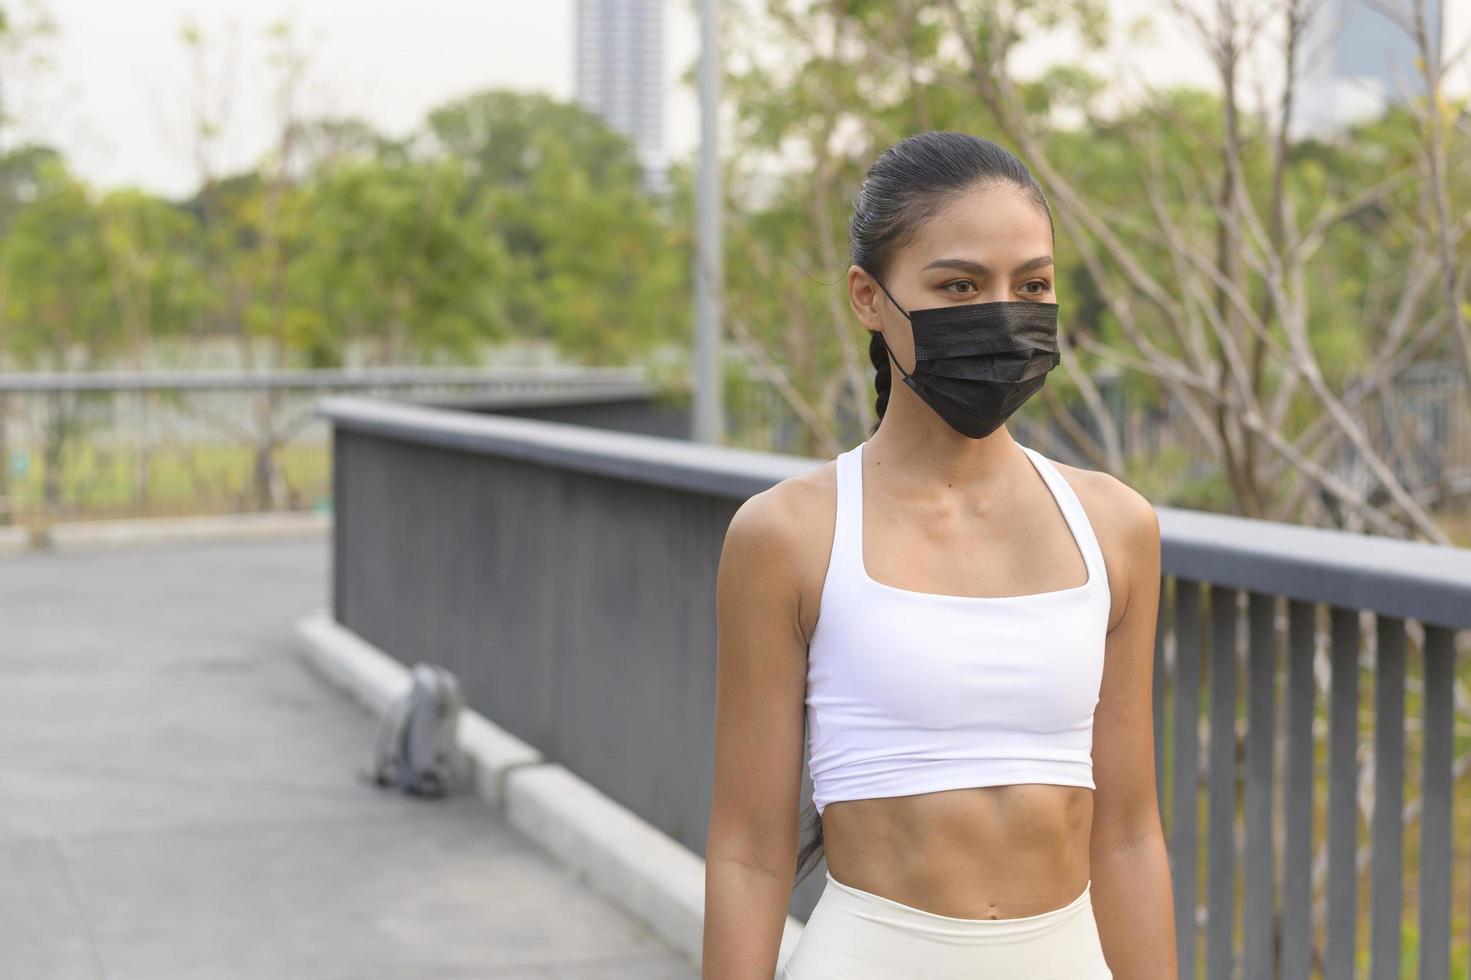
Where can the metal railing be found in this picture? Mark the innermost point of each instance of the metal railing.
(1306, 617)
(568, 575)
(83, 445)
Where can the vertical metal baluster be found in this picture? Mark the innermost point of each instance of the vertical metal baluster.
(1185, 769)
(1388, 860)
(1221, 782)
(1160, 625)
(1298, 780)
(1261, 729)
(1343, 779)
(1435, 818)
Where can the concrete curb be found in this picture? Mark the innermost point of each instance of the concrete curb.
(77, 535)
(374, 680)
(633, 863)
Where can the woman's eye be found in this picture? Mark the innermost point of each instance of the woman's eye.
(960, 282)
(1041, 285)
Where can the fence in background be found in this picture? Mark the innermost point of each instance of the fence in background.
(102, 444)
(568, 576)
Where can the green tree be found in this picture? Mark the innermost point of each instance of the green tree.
(388, 256)
(602, 274)
(594, 262)
(56, 305)
(56, 302)
(151, 258)
(501, 136)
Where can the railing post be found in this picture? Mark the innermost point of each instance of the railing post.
(1298, 780)
(1436, 796)
(1220, 891)
(1387, 875)
(1343, 807)
(1261, 729)
(1186, 769)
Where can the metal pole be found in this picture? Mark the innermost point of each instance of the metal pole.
(709, 416)
(7, 504)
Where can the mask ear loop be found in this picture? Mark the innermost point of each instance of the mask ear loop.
(901, 309)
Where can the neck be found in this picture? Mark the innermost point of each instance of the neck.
(919, 450)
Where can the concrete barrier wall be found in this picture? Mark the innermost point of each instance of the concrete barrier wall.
(576, 604)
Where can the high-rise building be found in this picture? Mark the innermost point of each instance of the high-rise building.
(620, 74)
(1357, 60)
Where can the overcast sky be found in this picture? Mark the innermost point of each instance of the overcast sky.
(118, 97)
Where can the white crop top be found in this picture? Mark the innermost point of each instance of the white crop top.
(914, 692)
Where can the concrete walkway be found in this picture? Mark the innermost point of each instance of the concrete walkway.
(178, 798)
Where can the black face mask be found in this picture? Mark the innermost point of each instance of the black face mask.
(976, 364)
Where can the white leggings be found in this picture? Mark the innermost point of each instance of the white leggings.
(857, 935)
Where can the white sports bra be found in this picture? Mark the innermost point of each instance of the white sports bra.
(913, 692)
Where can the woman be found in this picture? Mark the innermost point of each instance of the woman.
(965, 627)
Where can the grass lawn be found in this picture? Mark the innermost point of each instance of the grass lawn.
(202, 479)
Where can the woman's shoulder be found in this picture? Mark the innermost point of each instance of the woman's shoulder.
(1110, 502)
(783, 514)
(1125, 524)
(784, 533)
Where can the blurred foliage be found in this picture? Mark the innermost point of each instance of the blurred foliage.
(53, 274)
(507, 215)
(832, 83)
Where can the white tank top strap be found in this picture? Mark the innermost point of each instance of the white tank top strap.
(1072, 510)
(848, 524)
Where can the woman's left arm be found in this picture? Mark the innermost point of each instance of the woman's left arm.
(1129, 863)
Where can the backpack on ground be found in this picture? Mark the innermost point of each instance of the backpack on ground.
(417, 748)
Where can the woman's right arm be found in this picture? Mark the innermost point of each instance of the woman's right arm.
(761, 680)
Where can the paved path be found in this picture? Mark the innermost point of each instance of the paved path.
(178, 798)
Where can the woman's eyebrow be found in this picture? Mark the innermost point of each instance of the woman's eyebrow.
(976, 268)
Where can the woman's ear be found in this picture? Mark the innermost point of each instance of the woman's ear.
(865, 297)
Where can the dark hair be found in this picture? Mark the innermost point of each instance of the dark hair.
(909, 183)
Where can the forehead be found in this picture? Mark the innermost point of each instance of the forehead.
(996, 225)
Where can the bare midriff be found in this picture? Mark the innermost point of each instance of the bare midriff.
(985, 852)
